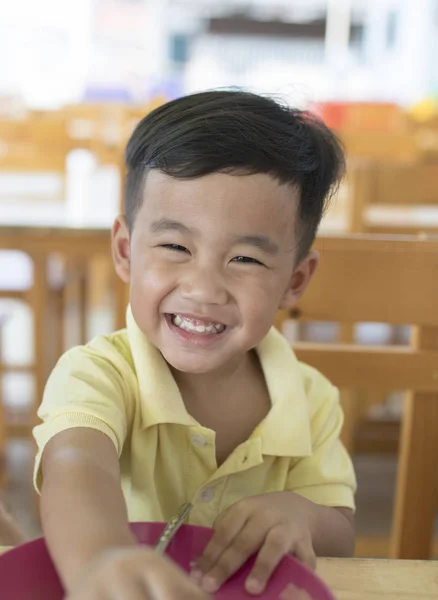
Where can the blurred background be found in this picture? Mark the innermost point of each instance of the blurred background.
(56, 53)
(75, 78)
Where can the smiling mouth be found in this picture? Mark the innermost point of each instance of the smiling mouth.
(197, 326)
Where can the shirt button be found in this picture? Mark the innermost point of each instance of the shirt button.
(206, 495)
(198, 440)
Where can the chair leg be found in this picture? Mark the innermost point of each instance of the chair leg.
(351, 399)
(83, 301)
(2, 417)
(75, 299)
(56, 308)
(352, 418)
(417, 484)
(38, 300)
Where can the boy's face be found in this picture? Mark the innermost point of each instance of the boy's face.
(210, 261)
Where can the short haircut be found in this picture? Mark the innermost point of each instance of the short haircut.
(238, 133)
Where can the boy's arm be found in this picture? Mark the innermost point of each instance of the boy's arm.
(86, 526)
(82, 506)
(333, 531)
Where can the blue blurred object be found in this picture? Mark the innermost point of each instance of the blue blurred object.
(107, 94)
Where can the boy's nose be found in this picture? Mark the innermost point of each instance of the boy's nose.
(204, 287)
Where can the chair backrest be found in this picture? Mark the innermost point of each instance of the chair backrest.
(402, 184)
(391, 279)
(34, 144)
(110, 124)
(386, 279)
(378, 145)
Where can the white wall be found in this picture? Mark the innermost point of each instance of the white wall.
(405, 72)
(44, 48)
(51, 49)
(408, 71)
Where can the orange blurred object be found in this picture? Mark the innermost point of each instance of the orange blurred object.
(361, 116)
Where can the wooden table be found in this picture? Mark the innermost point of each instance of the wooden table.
(378, 579)
(57, 239)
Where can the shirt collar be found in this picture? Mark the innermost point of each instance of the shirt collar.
(161, 401)
(286, 429)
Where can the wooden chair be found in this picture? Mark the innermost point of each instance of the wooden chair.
(3, 317)
(403, 189)
(36, 145)
(104, 130)
(378, 145)
(396, 197)
(387, 279)
(109, 122)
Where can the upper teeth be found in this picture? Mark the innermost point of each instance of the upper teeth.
(189, 325)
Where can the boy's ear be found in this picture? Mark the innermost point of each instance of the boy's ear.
(300, 279)
(121, 249)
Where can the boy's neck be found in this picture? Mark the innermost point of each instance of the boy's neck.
(199, 387)
(231, 403)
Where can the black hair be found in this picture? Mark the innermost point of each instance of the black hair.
(243, 133)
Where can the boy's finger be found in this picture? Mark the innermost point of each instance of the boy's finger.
(244, 545)
(305, 553)
(276, 546)
(227, 527)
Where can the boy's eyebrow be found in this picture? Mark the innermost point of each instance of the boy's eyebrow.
(169, 225)
(262, 242)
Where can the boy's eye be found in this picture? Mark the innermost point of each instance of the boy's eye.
(247, 260)
(175, 247)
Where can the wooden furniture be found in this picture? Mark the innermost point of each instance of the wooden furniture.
(385, 279)
(389, 197)
(365, 579)
(402, 189)
(40, 143)
(3, 318)
(104, 129)
(368, 579)
(36, 146)
(40, 244)
(377, 145)
(110, 122)
(362, 117)
(30, 146)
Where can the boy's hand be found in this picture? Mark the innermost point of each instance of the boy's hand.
(135, 573)
(272, 524)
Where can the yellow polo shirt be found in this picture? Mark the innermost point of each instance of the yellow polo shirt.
(121, 385)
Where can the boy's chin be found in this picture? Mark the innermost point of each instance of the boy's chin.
(194, 364)
(192, 367)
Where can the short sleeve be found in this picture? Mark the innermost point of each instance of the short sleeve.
(89, 387)
(327, 476)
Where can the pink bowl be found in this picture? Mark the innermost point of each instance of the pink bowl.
(27, 572)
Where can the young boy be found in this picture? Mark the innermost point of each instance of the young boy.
(199, 399)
